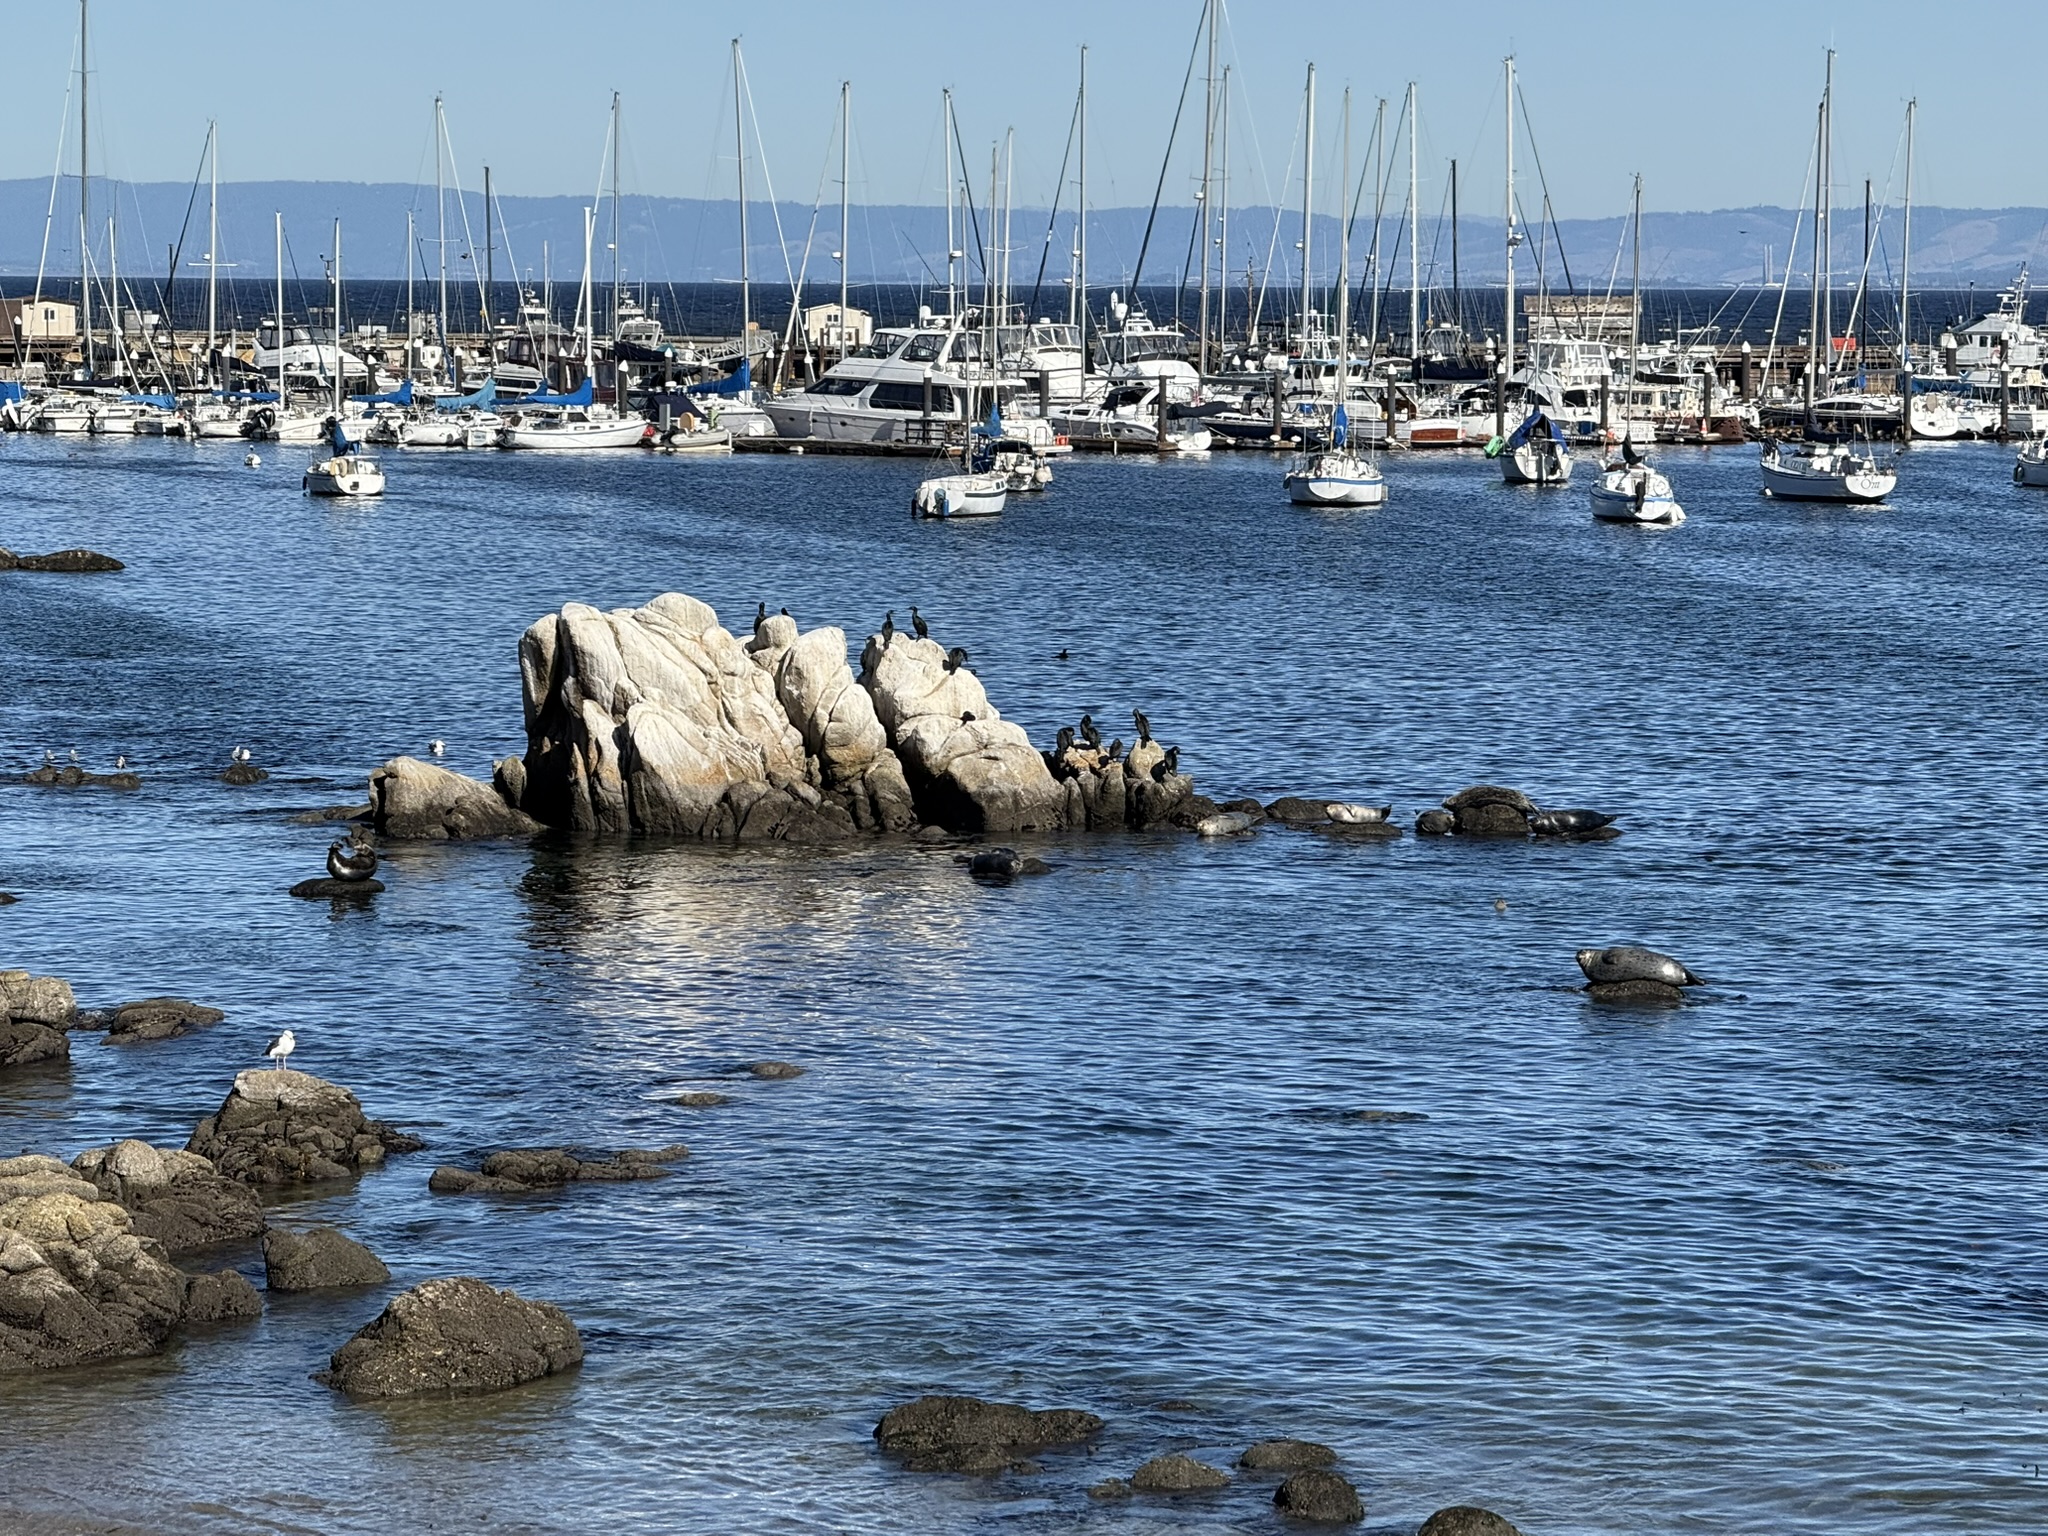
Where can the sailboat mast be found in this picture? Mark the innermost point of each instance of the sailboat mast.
(739, 139)
(1414, 236)
(1308, 193)
(1379, 208)
(617, 277)
(84, 244)
(1508, 329)
(587, 299)
(1905, 360)
(1208, 177)
(1827, 182)
(1635, 288)
(1457, 283)
(337, 317)
(946, 160)
(1814, 323)
(411, 326)
(845, 172)
(1343, 381)
(1223, 214)
(277, 335)
(1009, 201)
(1081, 216)
(490, 252)
(213, 247)
(117, 341)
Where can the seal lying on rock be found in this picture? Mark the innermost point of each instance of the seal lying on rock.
(1223, 824)
(1568, 823)
(1356, 814)
(1628, 973)
(353, 860)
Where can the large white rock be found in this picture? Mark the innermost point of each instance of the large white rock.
(979, 775)
(837, 718)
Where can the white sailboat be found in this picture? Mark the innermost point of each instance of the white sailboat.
(2031, 468)
(1536, 453)
(346, 472)
(576, 420)
(981, 491)
(1825, 472)
(1629, 490)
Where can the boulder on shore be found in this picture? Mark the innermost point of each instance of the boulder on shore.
(966, 1434)
(454, 1337)
(1466, 1520)
(178, 1198)
(37, 999)
(76, 1284)
(158, 1018)
(318, 1259)
(224, 1296)
(1178, 1473)
(324, 888)
(521, 1170)
(24, 1043)
(279, 1126)
(1319, 1496)
(414, 799)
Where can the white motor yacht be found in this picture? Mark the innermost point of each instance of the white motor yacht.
(1825, 472)
(1629, 491)
(907, 384)
(1126, 419)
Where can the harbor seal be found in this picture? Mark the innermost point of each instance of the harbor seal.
(1568, 823)
(353, 860)
(1631, 962)
(1356, 814)
(1223, 824)
(1002, 865)
(1435, 823)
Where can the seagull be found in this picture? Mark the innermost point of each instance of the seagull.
(120, 761)
(281, 1048)
(437, 746)
(74, 754)
(240, 754)
(924, 630)
(253, 460)
(49, 758)
(956, 658)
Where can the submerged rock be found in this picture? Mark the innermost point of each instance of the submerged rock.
(1323, 1497)
(76, 1284)
(326, 888)
(966, 1434)
(70, 562)
(24, 1043)
(178, 1198)
(774, 1071)
(158, 1018)
(522, 1170)
(1178, 1473)
(414, 799)
(698, 1100)
(279, 1126)
(1287, 1456)
(455, 1337)
(1300, 810)
(1639, 992)
(318, 1259)
(71, 776)
(240, 774)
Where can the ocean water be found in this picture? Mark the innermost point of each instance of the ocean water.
(1772, 1262)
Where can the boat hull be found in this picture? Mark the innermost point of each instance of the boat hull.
(951, 496)
(345, 475)
(1528, 465)
(1862, 487)
(584, 435)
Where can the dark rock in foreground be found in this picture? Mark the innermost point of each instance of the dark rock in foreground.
(222, 1297)
(1286, 1456)
(455, 1337)
(1177, 1473)
(69, 562)
(318, 1259)
(24, 1043)
(76, 1284)
(324, 889)
(239, 774)
(71, 776)
(278, 1126)
(159, 1018)
(699, 1100)
(966, 1434)
(178, 1198)
(521, 1170)
(1323, 1497)
(1640, 993)
(1466, 1520)
(774, 1071)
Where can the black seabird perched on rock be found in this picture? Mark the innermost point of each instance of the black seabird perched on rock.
(1089, 734)
(924, 630)
(760, 616)
(1116, 749)
(956, 658)
(1066, 741)
(888, 626)
(1171, 762)
(967, 717)
(1144, 726)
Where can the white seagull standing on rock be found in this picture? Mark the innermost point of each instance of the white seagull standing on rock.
(280, 1049)
(240, 754)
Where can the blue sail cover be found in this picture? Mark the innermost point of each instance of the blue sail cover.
(399, 396)
(993, 427)
(161, 402)
(337, 437)
(1536, 425)
(583, 394)
(10, 391)
(1340, 428)
(732, 384)
(483, 399)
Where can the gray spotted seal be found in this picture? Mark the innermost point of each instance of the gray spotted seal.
(1568, 823)
(1356, 815)
(1631, 962)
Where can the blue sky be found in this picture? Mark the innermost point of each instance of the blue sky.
(1714, 106)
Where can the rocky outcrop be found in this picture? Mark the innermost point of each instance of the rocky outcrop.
(842, 734)
(455, 1337)
(224, 1296)
(37, 999)
(1466, 1520)
(24, 1043)
(1321, 1497)
(318, 1259)
(1178, 1473)
(1140, 789)
(522, 1170)
(71, 776)
(966, 1434)
(326, 888)
(278, 1126)
(177, 1198)
(414, 799)
(77, 1285)
(158, 1018)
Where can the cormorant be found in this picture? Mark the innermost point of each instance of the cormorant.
(761, 617)
(1171, 762)
(967, 717)
(1062, 655)
(1065, 743)
(956, 658)
(924, 630)
(1089, 734)
(1144, 726)
(888, 626)
(1116, 749)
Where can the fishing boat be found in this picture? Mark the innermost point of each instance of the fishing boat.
(1630, 491)
(1338, 476)
(1536, 453)
(2031, 469)
(1825, 472)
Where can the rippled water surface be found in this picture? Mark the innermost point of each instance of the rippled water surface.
(1770, 1263)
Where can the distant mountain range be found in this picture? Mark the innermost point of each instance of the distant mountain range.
(667, 239)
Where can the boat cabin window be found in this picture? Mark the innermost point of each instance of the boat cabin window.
(924, 347)
(832, 386)
(882, 346)
(910, 397)
(966, 349)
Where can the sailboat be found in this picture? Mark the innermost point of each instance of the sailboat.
(980, 492)
(1629, 490)
(284, 422)
(346, 473)
(1536, 453)
(574, 420)
(1826, 472)
(1338, 476)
